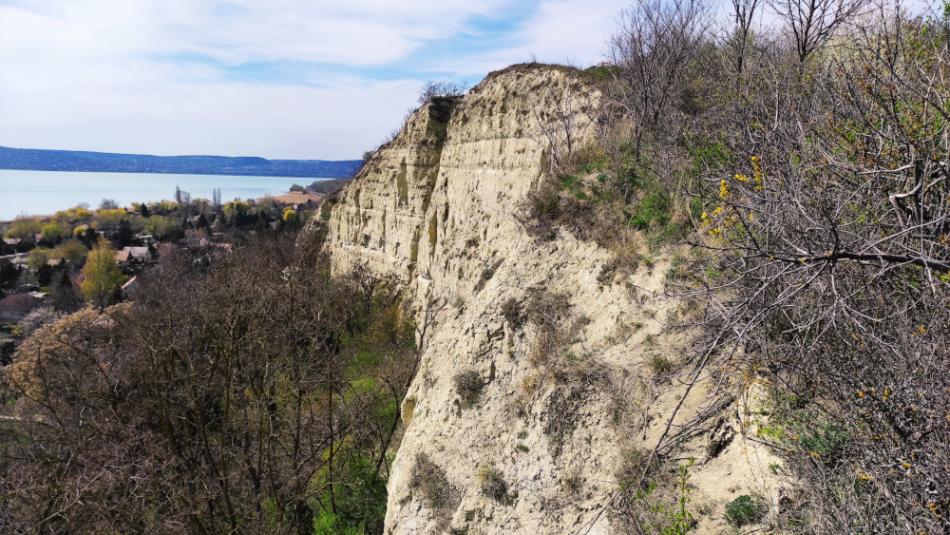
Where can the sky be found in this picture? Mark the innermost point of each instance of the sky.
(302, 79)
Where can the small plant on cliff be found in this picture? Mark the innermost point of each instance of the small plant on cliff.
(511, 311)
(541, 210)
(649, 501)
(660, 366)
(745, 510)
(493, 484)
(653, 210)
(432, 483)
(681, 521)
(468, 386)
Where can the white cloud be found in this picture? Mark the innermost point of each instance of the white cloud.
(356, 32)
(125, 75)
(574, 32)
(560, 31)
(228, 118)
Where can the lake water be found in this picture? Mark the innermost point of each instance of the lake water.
(44, 192)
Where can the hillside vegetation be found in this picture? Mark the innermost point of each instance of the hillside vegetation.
(809, 172)
(703, 288)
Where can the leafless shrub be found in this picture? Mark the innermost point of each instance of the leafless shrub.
(835, 271)
(547, 309)
(468, 386)
(436, 89)
(560, 415)
(556, 329)
(652, 50)
(493, 484)
(812, 23)
(431, 481)
(743, 12)
(511, 311)
(556, 121)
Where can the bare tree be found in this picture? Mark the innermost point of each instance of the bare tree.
(814, 22)
(238, 398)
(743, 12)
(556, 122)
(652, 50)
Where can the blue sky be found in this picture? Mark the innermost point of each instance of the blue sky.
(275, 78)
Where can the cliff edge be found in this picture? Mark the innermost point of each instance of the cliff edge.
(538, 385)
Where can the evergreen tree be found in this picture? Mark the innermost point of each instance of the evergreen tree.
(63, 294)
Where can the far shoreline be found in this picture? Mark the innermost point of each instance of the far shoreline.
(31, 204)
(173, 173)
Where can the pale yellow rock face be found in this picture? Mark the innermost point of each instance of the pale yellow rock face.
(380, 216)
(436, 208)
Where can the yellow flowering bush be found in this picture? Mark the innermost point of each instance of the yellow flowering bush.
(716, 222)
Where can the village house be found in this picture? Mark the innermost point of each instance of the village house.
(17, 245)
(299, 200)
(134, 256)
(145, 238)
(9, 245)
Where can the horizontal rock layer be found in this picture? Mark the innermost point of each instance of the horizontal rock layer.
(536, 449)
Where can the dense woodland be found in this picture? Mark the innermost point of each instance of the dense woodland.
(805, 166)
(253, 395)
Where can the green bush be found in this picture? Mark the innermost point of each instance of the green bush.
(826, 442)
(653, 211)
(600, 74)
(327, 523)
(745, 510)
(359, 500)
(706, 154)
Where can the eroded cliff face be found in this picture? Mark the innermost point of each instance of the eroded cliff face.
(534, 385)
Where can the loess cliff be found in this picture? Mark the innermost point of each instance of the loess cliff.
(535, 386)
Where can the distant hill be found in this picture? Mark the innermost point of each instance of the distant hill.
(68, 160)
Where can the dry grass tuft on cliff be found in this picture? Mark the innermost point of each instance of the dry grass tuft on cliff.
(468, 386)
(434, 488)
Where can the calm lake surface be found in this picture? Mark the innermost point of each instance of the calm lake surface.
(44, 192)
